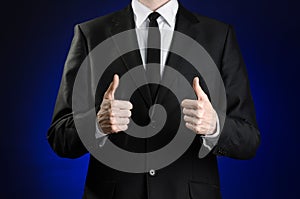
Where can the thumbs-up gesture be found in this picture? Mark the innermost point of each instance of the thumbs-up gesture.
(199, 114)
(113, 115)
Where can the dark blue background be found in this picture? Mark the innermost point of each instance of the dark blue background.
(35, 38)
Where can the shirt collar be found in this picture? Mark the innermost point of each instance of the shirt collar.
(167, 11)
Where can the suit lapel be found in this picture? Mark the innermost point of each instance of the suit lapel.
(124, 21)
(185, 23)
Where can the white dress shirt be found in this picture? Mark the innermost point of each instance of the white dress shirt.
(166, 23)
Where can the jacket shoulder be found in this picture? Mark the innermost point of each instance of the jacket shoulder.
(207, 21)
(100, 23)
(97, 21)
(205, 24)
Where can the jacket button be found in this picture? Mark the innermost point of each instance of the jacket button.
(152, 172)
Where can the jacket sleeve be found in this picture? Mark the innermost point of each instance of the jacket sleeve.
(240, 136)
(62, 135)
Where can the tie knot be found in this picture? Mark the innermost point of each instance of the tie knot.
(153, 16)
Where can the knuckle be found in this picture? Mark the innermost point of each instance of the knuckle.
(199, 105)
(200, 123)
(99, 113)
(185, 118)
(197, 121)
(114, 128)
(107, 103)
(122, 127)
(113, 103)
(111, 113)
(183, 103)
(98, 116)
(198, 114)
(187, 125)
(112, 120)
(104, 102)
(130, 105)
(186, 111)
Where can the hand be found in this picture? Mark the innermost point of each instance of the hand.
(199, 115)
(113, 115)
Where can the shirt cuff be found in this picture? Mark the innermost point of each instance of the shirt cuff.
(100, 136)
(209, 141)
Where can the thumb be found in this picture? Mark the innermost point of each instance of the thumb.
(110, 92)
(198, 90)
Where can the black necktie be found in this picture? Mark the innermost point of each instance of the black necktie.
(153, 54)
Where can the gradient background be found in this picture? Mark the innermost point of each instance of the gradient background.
(35, 39)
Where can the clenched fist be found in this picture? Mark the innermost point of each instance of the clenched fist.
(199, 115)
(113, 115)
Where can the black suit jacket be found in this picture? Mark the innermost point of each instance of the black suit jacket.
(189, 177)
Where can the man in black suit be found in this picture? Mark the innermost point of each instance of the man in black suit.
(190, 176)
